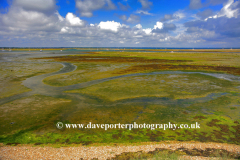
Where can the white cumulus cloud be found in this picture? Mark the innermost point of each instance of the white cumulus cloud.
(147, 31)
(110, 25)
(73, 20)
(139, 26)
(159, 25)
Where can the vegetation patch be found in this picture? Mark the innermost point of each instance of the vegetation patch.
(160, 153)
(174, 86)
(12, 75)
(85, 72)
(154, 67)
(77, 58)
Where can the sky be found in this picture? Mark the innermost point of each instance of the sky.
(120, 23)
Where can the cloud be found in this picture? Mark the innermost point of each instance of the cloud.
(145, 4)
(110, 5)
(195, 4)
(86, 7)
(167, 17)
(159, 25)
(123, 7)
(158, 28)
(205, 14)
(192, 29)
(110, 25)
(164, 28)
(131, 19)
(144, 12)
(139, 26)
(44, 6)
(171, 17)
(179, 14)
(123, 17)
(148, 31)
(73, 20)
(29, 18)
(215, 2)
(20, 19)
(22, 26)
(225, 23)
(228, 10)
(224, 26)
(169, 26)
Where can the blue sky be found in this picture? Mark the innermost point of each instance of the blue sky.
(120, 23)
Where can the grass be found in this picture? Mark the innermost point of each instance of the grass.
(29, 112)
(214, 128)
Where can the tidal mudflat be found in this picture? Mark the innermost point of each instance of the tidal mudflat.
(110, 87)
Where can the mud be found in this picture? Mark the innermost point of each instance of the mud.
(153, 67)
(111, 59)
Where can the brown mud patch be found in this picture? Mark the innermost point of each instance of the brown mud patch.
(153, 67)
(111, 59)
(158, 64)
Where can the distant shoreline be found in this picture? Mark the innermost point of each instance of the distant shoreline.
(6, 48)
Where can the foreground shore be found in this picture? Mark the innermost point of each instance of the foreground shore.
(110, 152)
